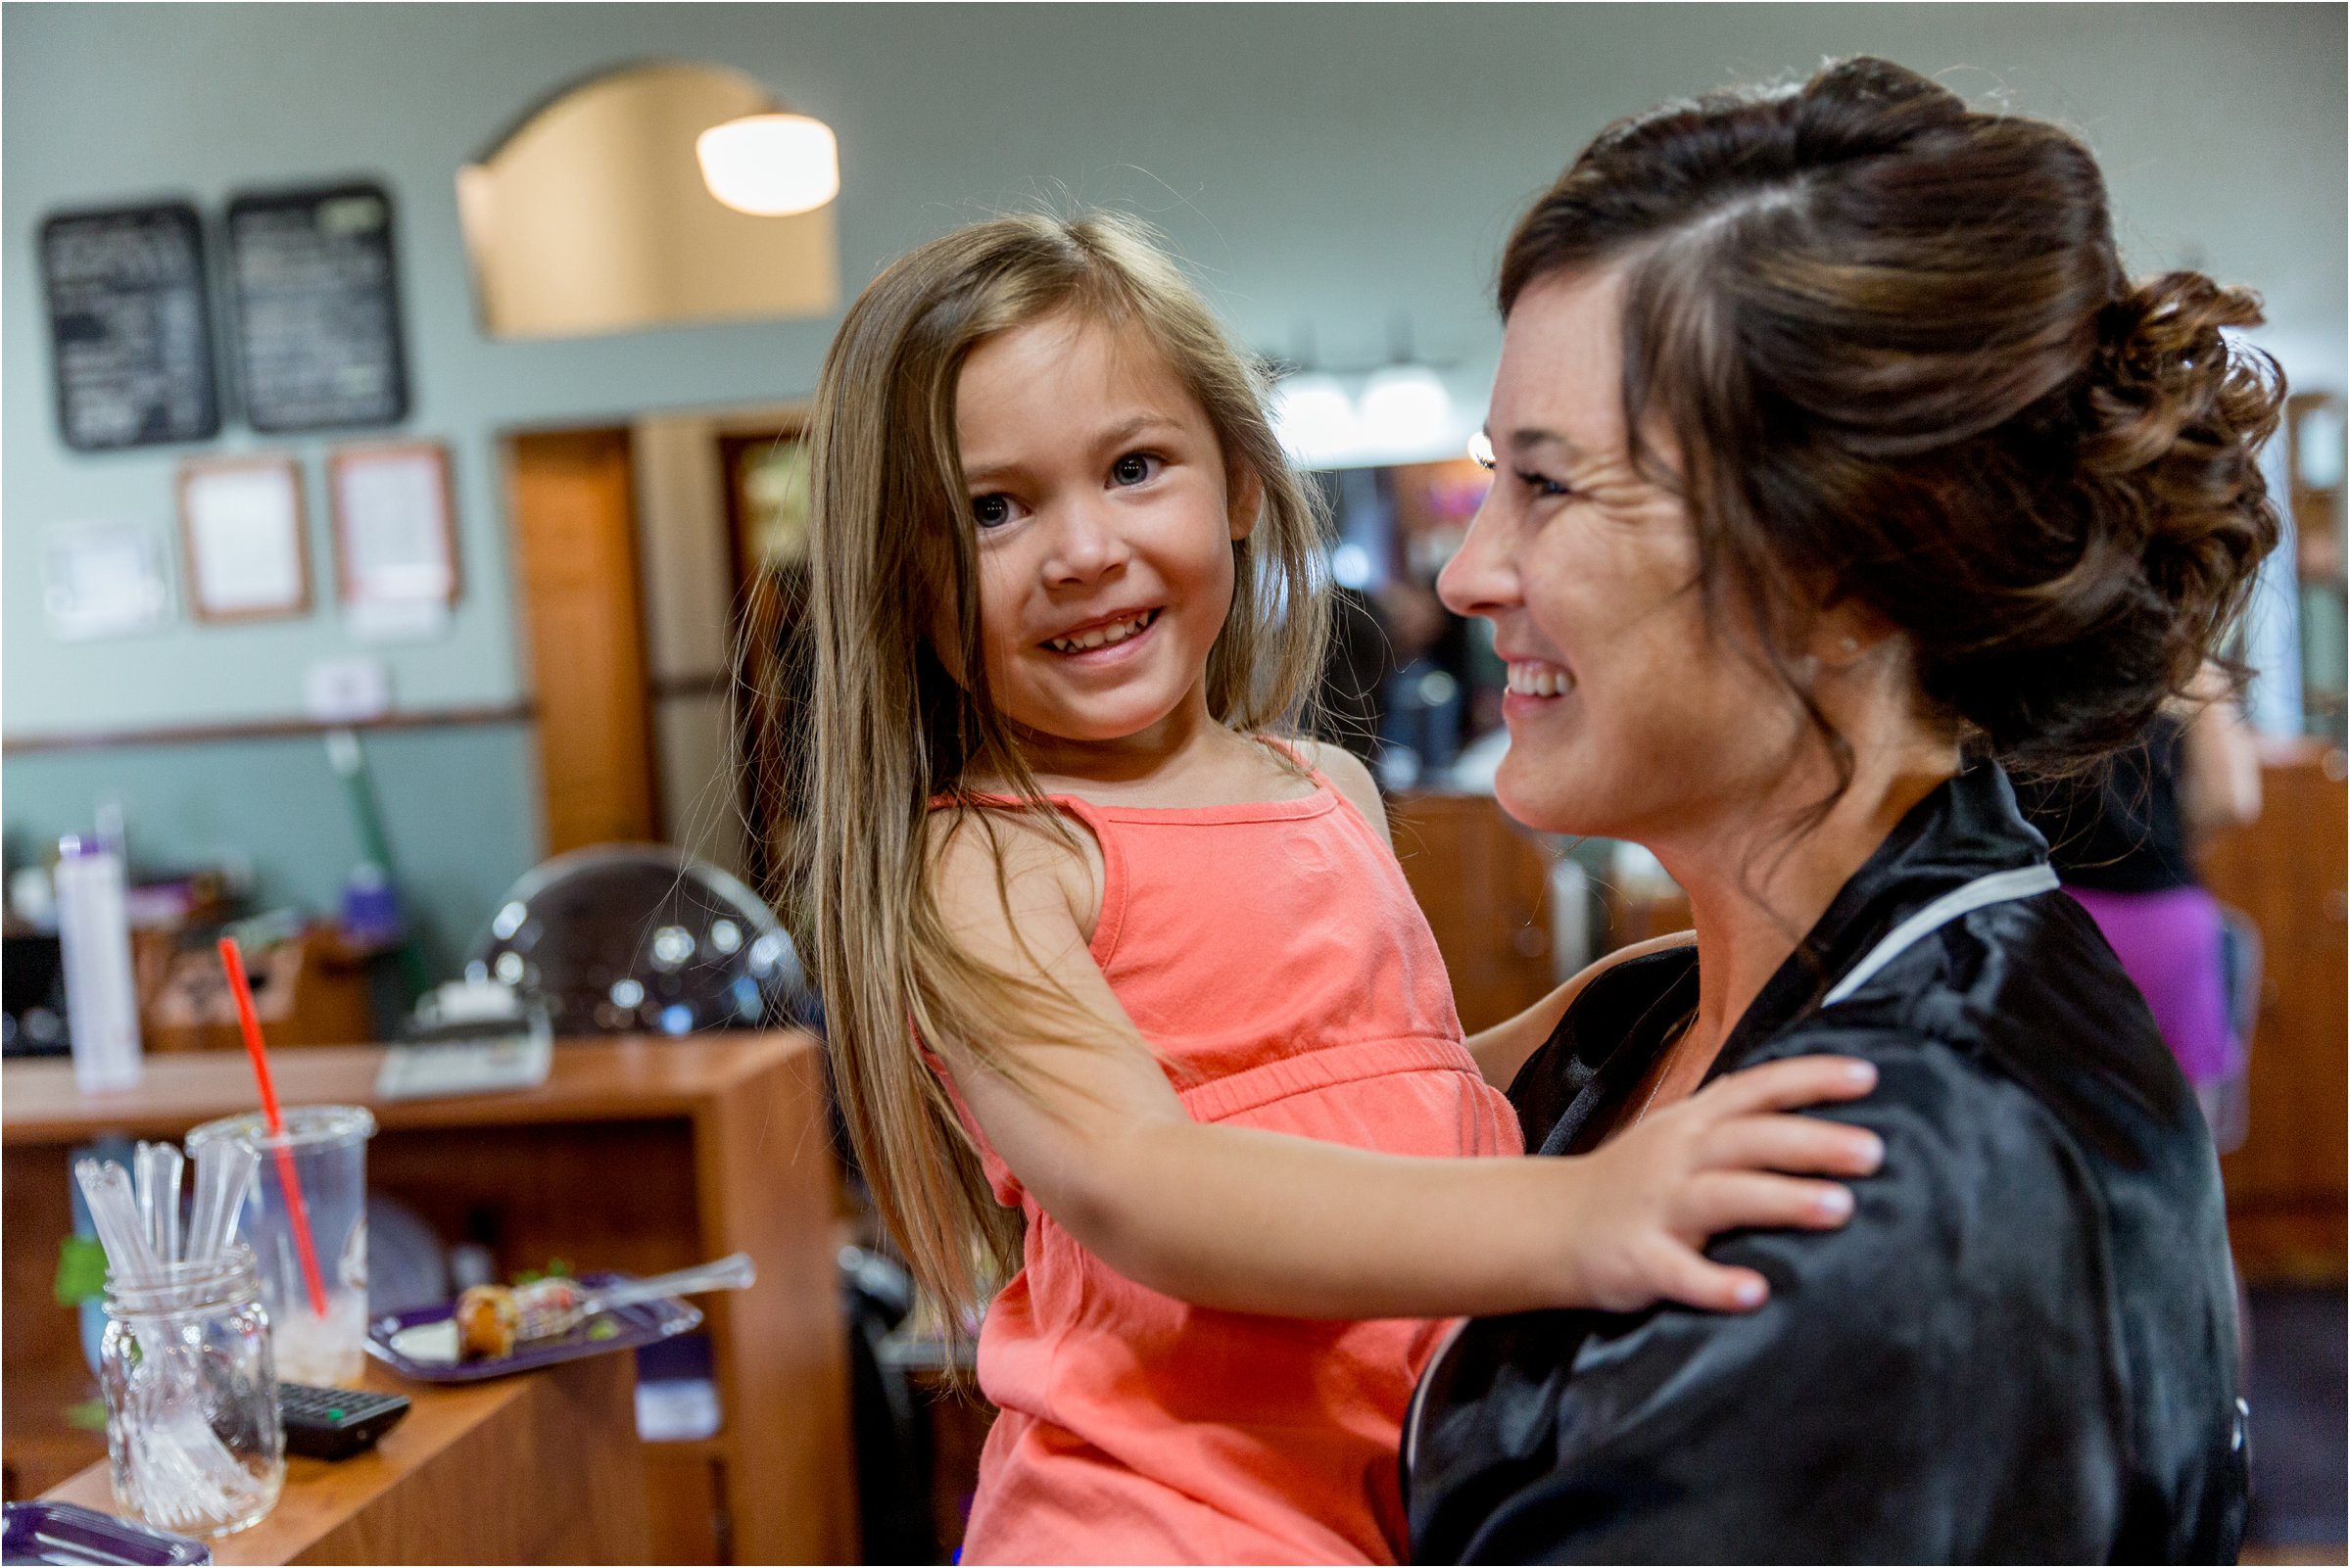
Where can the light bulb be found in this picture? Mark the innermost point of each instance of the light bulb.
(1315, 420)
(770, 165)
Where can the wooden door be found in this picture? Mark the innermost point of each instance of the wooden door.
(574, 507)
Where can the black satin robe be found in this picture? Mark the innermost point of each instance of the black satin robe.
(2023, 1348)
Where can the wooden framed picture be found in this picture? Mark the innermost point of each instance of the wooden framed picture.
(395, 525)
(246, 545)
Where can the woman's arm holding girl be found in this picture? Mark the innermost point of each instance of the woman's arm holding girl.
(1503, 1049)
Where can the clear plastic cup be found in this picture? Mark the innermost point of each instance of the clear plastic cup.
(328, 1148)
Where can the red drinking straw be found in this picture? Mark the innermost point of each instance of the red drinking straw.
(241, 989)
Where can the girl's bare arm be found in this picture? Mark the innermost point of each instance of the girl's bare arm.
(1250, 1220)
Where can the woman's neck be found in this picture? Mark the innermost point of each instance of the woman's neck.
(1755, 890)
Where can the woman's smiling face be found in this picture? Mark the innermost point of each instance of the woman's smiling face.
(1099, 491)
(1630, 716)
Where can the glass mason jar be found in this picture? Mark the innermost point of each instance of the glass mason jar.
(193, 1438)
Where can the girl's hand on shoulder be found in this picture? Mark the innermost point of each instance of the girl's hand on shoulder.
(1719, 1161)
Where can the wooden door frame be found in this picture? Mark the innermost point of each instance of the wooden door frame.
(754, 620)
(510, 446)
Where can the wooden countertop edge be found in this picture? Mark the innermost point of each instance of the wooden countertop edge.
(599, 1081)
(320, 1496)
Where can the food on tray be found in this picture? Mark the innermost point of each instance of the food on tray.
(486, 1321)
(491, 1322)
(492, 1319)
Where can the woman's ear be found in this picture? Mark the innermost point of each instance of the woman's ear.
(1245, 504)
(1844, 633)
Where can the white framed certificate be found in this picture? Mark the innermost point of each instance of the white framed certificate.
(395, 525)
(241, 523)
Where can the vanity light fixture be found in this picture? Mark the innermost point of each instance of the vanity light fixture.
(1315, 421)
(1406, 411)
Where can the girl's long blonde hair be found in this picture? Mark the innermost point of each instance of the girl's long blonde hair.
(894, 563)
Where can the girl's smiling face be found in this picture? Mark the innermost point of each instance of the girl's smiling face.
(1105, 529)
(1630, 715)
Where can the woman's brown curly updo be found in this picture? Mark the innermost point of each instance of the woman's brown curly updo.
(1892, 340)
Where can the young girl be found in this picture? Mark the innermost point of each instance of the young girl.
(1131, 998)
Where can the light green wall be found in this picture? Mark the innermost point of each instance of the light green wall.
(1324, 166)
(458, 805)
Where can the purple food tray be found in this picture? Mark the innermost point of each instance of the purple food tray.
(646, 1323)
(65, 1532)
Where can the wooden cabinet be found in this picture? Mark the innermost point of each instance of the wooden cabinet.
(1482, 880)
(2285, 1186)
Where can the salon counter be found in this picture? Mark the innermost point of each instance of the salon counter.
(638, 1155)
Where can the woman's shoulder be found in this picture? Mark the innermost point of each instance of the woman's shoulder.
(2015, 1201)
(1960, 1118)
(2026, 993)
(2031, 1136)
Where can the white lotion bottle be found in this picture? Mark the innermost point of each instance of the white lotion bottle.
(102, 1001)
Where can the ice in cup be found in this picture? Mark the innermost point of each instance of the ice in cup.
(328, 1148)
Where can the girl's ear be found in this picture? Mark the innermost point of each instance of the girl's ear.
(1246, 503)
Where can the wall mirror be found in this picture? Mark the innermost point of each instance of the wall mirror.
(590, 216)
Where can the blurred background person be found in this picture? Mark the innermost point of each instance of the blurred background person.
(2124, 836)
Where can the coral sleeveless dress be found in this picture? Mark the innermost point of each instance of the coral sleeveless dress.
(1274, 958)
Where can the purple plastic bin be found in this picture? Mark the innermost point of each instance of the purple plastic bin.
(67, 1532)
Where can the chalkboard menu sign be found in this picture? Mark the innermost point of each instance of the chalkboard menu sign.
(129, 327)
(318, 307)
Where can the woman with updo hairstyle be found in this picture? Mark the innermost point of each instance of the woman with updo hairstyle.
(1839, 468)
